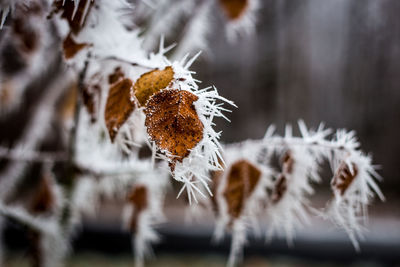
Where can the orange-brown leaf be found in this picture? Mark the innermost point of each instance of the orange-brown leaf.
(234, 9)
(242, 179)
(71, 47)
(172, 122)
(343, 177)
(151, 82)
(118, 107)
(138, 198)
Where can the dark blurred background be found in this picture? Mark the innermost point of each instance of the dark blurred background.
(336, 62)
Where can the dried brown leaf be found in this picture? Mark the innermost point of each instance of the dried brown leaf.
(151, 82)
(71, 47)
(172, 122)
(119, 106)
(139, 199)
(242, 179)
(344, 177)
(234, 9)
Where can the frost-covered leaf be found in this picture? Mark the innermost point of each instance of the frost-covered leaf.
(119, 106)
(152, 82)
(234, 8)
(241, 180)
(343, 177)
(173, 123)
(71, 47)
(139, 201)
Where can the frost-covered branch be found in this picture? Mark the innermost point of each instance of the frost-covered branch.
(34, 132)
(248, 167)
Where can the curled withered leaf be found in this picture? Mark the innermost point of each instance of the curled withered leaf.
(151, 82)
(343, 177)
(279, 189)
(172, 122)
(116, 75)
(71, 47)
(139, 201)
(242, 179)
(234, 9)
(75, 15)
(119, 106)
(44, 198)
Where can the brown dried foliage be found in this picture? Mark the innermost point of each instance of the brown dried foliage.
(172, 122)
(139, 199)
(242, 179)
(343, 177)
(71, 47)
(152, 82)
(118, 107)
(76, 22)
(234, 9)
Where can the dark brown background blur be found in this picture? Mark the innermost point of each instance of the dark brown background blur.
(332, 61)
